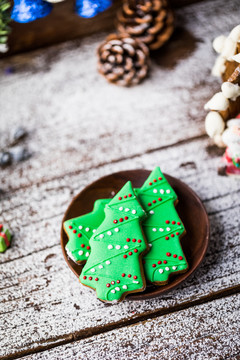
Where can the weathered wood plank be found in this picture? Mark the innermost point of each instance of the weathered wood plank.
(41, 299)
(208, 331)
(74, 116)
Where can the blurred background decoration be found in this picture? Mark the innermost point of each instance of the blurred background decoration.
(4, 25)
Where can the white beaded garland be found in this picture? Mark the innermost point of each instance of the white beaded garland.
(161, 229)
(80, 227)
(87, 229)
(124, 287)
(110, 247)
(134, 212)
(135, 282)
(113, 291)
(161, 191)
(101, 236)
(126, 247)
(87, 254)
(168, 228)
(174, 267)
(100, 267)
(154, 229)
(116, 229)
(161, 271)
(117, 288)
(121, 208)
(118, 247)
(167, 268)
(92, 270)
(94, 230)
(155, 191)
(108, 262)
(127, 209)
(109, 233)
(80, 252)
(168, 191)
(151, 212)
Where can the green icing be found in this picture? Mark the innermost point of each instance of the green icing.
(5, 239)
(113, 268)
(80, 230)
(162, 228)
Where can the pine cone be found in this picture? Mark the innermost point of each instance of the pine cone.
(150, 21)
(123, 60)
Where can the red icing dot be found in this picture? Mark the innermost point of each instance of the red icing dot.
(74, 231)
(96, 279)
(129, 275)
(153, 265)
(168, 254)
(150, 183)
(126, 218)
(167, 238)
(159, 178)
(154, 180)
(180, 257)
(120, 198)
(70, 227)
(129, 195)
(135, 277)
(173, 222)
(167, 221)
(159, 262)
(84, 277)
(130, 253)
(154, 201)
(123, 274)
(139, 241)
(79, 235)
(135, 250)
(159, 199)
(165, 261)
(174, 255)
(121, 219)
(125, 196)
(90, 278)
(133, 240)
(178, 223)
(125, 256)
(82, 245)
(149, 204)
(112, 282)
(172, 235)
(118, 281)
(88, 247)
(108, 285)
(177, 233)
(128, 239)
(115, 221)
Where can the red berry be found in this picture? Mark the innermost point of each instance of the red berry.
(115, 221)
(112, 282)
(74, 231)
(149, 204)
(79, 235)
(130, 253)
(126, 218)
(180, 257)
(177, 233)
(125, 256)
(70, 227)
(129, 195)
(135, 277)
(90, 278)
(167, 221)
(128, 239)
(159, 178)
(167, 238)
(139, 241)
(123, 274)
(135, 250)
(121, 219)
(88, 247)
(173, 222)
(159, 262)
(165, 261)
(168, 254)
(174, 255)
(153, 265)
(133, 240)
(107, 285)
(129, 275)
(154, 180)
(178, 223)
(159, 199)
(154, 201)
(96, 279)
(125, 196)
(118, 281)
(84, 277)
(82, 245)
(120, 198)
(150, 183)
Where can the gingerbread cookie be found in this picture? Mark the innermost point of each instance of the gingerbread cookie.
(163, 229)
(114, 267)
(80, 229)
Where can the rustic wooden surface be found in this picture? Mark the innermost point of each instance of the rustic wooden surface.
(82, 128)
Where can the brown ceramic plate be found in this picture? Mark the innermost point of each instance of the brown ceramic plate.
(190, 210)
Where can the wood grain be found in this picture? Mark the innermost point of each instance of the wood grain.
(209, 331)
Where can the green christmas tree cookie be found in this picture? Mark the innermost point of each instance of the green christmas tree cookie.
(163, 229)
(80, 229)
(5, 239)
(114, 267)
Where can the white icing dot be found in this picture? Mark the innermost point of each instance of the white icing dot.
(113, 291)
(80, 227)
(117, 288)
(161, 271)
(80, 252)
(118, 247)
(162, 191)
(87, 229)
(87, 254)
(168, 229)
(100, 267)
(121, 208)
(154, 229)
(134, 212)
(168, 191)
(161, 229)
(151, 212)
(110, 247)
(174, 267)
(92, 270)
(101, 236)
(116, 229)
(94, 230)
(155, 191)
(136, 282)
(109, 233)
(167, 268)
(126, 247)
(150, 245)
(108, 262)
(127, 209)
(124, 287)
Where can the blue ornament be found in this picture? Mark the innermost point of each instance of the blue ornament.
(90, 8)
(25, 11)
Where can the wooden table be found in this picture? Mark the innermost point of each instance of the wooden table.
(81, 128)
